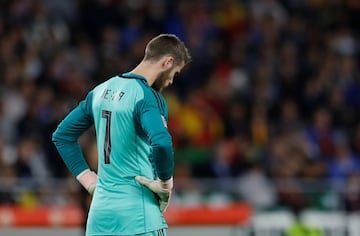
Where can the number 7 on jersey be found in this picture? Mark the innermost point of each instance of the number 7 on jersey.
(107, 142)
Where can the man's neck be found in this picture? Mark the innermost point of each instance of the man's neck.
(147, 70)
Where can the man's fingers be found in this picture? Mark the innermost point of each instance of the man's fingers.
(164, 204)
(163, 195)
(142, 180)
(91, 189)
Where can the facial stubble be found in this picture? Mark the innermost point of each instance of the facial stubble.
(161, 79)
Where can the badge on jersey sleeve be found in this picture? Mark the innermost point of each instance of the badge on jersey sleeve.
(164, 121)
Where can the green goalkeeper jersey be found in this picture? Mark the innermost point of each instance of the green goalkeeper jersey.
(132, 139)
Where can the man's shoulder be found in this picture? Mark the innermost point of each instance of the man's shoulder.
(117, 83)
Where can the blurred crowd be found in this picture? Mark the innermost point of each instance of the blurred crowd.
(271, 98)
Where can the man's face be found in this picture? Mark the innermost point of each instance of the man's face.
(165, 78)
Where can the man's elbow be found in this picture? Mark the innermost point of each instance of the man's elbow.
(164, 146)
(162, 143)
(58, 137)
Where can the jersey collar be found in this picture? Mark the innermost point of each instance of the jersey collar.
(130, 75)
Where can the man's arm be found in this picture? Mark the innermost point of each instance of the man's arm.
(66, 138)
(160, 139)
(156, 130)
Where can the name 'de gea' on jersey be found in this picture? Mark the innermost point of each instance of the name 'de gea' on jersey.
(110, 94)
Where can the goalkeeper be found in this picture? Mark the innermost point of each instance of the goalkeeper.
(132, 187)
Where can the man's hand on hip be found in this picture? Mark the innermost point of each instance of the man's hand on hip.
(88, 180)
(162, 188)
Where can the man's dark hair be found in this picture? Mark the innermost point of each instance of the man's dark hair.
(167, 45)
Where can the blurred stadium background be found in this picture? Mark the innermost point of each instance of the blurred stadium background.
(265, 120)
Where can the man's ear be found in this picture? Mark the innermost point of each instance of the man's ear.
(167, 62)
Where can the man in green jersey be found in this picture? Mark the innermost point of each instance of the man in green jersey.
(134, 180)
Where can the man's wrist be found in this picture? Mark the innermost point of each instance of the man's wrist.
(88, 180)
(166, 184)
